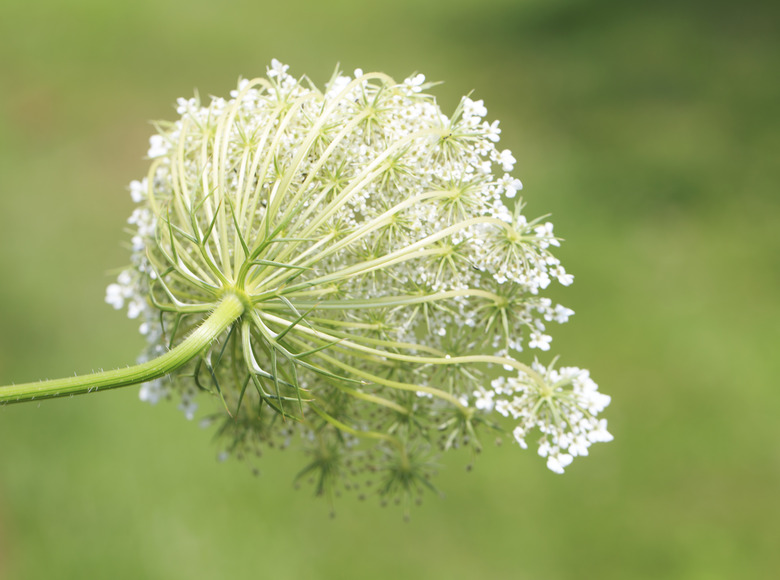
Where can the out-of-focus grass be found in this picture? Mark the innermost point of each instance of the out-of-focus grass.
(650, 132)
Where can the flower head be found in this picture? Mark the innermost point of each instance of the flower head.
(382, 262)
(563, 404)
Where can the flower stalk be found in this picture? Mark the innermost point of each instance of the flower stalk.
(226, 313)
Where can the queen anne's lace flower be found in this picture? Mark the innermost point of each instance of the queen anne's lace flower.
(381, 270)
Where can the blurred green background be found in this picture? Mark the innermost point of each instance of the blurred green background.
(651, 132)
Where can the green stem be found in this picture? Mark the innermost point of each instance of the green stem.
(227, 311)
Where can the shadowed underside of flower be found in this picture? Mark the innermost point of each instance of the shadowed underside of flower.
(382, 271)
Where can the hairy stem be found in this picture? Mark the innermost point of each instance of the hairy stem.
(227, 311)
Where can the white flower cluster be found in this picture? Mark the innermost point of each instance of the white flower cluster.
(375, 241)
(563, 404)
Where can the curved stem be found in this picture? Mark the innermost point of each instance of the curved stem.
(227, 311)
